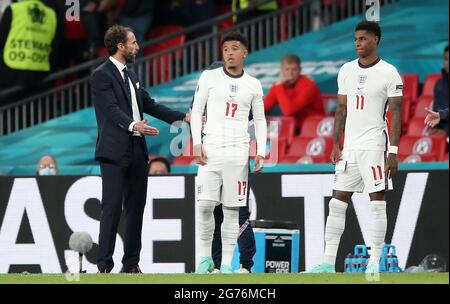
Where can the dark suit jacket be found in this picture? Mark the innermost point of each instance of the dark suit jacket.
(114, 112)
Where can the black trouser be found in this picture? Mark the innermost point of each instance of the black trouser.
(246, 239)
(124, 182)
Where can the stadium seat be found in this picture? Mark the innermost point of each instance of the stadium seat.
(222, 9)
(311, 146)
(428, 84)
(308, 159)
(317, 126)
(417, 127)
(434, 147)
(330, 103)
(406, 111)
(162, 63)
(416, 158)
(286, 127)
(411, 86)
(422, 103)
(274, 152)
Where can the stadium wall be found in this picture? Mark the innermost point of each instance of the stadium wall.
(38, 215)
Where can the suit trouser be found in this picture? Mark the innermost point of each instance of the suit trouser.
(246, 239)
(124, 187)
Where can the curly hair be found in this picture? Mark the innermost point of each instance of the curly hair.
(114, 35)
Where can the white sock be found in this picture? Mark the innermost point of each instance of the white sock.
(230, 231)
(379, 226)
(334, 229)
(206, 226)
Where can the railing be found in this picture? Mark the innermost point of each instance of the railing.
(169, 64)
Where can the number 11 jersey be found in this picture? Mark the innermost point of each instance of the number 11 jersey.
(367, 89)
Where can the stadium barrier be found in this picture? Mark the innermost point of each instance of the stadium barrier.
(38, 215)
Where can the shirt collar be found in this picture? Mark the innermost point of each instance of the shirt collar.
(119, 65)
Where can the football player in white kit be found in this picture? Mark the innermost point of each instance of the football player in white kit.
(368, 86)
(229, 94)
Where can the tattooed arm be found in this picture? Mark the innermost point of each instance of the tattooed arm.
(395, 108)
(339, 126)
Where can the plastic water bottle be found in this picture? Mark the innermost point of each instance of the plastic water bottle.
(348, 263)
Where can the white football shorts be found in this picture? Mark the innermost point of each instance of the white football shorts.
(224, 178)
(361, 170)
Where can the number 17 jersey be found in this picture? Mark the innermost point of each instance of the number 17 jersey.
(367, 89)
(228, 100)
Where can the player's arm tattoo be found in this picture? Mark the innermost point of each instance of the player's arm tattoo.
(339, 118)
(395, 109)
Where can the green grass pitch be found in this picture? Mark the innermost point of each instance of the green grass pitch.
(292, 278)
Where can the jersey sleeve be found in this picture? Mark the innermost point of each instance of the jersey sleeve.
(259, 120)
(198, 107)
(395, 84)
(342, 90)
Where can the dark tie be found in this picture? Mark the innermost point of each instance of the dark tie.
(127, 82)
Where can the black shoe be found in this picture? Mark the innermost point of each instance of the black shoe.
(134, 269)
(104, 270)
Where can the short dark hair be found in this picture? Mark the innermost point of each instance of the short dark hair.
(291, 58)
(446, 49)
(371, 27)
(114, 35)
(235, 36)
(160, 159)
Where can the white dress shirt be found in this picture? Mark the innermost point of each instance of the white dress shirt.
(134, 105)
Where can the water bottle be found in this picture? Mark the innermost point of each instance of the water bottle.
(394, 266)
(360, 253)
(348, 263)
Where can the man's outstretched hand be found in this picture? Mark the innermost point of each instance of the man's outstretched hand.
(143, 128)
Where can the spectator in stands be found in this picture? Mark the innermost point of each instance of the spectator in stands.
(296, 94)
(200, 11)
(95, 24)
(441, 96)
(139, 15)
(159, 165)
(26, 47)
(173, 12)
(47, 166)
(112, 11)
(255, 9)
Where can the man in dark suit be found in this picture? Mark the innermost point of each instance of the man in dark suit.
(121, 149)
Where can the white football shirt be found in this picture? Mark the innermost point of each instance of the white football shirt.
(367, 89)
(229, 100)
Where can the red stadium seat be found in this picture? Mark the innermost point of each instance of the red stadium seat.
(286, 127)
(310, 146)
(417, 127)
(317, 126)
(426, 146)
(406, 111)
(416, 158)
(161, 64)
(222, 9)
(422, 103)
(428, 84)
(305, 159)
(275, 150)
(411, 86)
